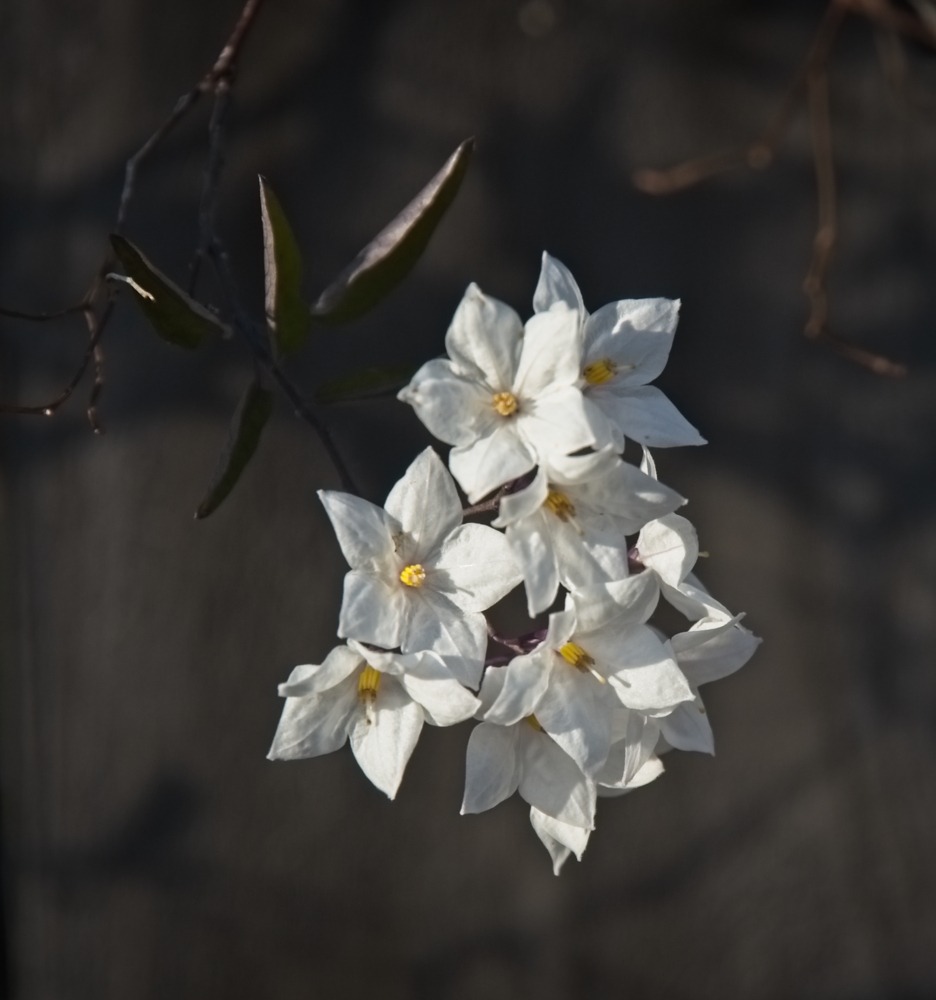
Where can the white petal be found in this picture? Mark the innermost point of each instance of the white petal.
(372, 610)
(426, 505)
(492, 460)
(525, 680)
(556, 285)
(694, 602)
(647, 463)
(670, 547)
(635, 333)
(707, 655)
(532, 545)
(484, 338)
(632, 600)
(364, 530)
(459, 637)
(456, 409)
(551, 781)
(315, 724)
(550, 355)
(523, 503)
(687, 728)
(384, 742)
(561, 627)
(429, 682)
(313, 678)
(645, 415)
(555, 422)
(589, 549)
(577, 714)
(560, 839)
(492, 770)
(629, 754)
(628, 494)
(475, 568)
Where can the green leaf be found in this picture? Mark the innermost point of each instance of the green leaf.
(390, 256)
(249, 419)
(365, 384)
(175, 316)
(287, 314)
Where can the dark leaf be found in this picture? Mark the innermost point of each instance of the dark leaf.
(249, 418)
(390, 256)
(175, 316)
(365, 384)
(287, 314)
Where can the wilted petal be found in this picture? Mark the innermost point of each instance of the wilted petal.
(430, 683)
(384, 741)
(525, 681)
(492, 770)
(364, 530)
(556, 285)
(551, 781)
(550, 354)
(645, 415)
(456, 409)
(459, 637)
(426, 505)
(475, 568)
(372, 610)
(316, 724)
(491, 461)
(484, 338)
(637, 334)
(313, 678)
(577, 715)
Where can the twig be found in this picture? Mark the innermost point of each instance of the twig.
(44, 317)
(492, 502)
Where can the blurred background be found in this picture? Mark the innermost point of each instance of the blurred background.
(150, 850)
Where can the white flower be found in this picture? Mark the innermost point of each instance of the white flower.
(584, 668)
(506, 396)
(379, 700)
(710, 650)
(569, 525)
(625, 345)
(419, 577)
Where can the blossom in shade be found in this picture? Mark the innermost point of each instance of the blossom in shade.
(419, 577)
(624, 346)
(377, 700)
(569, 525)
(506, 396)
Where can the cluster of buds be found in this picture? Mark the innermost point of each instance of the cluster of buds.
(538, 415)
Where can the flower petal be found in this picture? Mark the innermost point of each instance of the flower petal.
(372, 610)
(492, 768)
(384, 742)
(632, 600)
(577, 715)
(316, 724)
(364, 530)
(456, 408)
(484, 339)
(560, 839)
(670, 547)
(313, 678)
(635, 333)
(491, 461)
(694, 601)
(708, 654)
(532, 546)
(645, 415)
(429, 682)
(550, 353)
(524, 683)
(475, 568)
(556, 285)
(523, 503)
(555, 423)
(459, 637)
(687, 727)
(629, 754)
(426, 505)
(551, 781)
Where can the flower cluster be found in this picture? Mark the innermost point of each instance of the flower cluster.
(537, 415)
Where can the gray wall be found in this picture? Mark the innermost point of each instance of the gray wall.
(151, 850)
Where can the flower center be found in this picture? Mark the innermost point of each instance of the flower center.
(560, 505)
(413, 576)
(505, 403)
(368, 683)
(575, 656)
(599, 372)
(534, 722)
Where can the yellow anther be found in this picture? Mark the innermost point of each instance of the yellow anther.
(560, 505)
(535, 723)
(413, 576)
(599, 372)
(574, 655)
(505, 403)
(368, 683)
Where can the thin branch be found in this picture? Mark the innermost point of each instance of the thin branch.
(492, 502)
(44, 317)
(225, 64)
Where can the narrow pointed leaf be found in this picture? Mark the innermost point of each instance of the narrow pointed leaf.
(365, 384)
(287, 314)
(175, 315)
(390, 256)
(249, 418)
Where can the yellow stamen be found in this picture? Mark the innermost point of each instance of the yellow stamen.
(505, 403)
(368, 683)
(413, 576)
(535, 723)
(574, 655)
(560, 505)
(599, 372)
